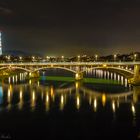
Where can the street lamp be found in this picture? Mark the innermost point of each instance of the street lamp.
(62, 57)
(20, 58)
(96, 57)
(33, 58)
(78, 57)
(135, 57)
(115, 56)
(9, 58)
(47, 57)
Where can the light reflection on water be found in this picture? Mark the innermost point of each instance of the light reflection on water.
(81, 93)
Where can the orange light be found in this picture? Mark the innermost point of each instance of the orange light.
(103, 99)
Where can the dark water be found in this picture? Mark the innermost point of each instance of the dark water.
(51, 110)
(47, 110)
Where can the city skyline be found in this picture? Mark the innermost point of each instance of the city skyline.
(70, 28)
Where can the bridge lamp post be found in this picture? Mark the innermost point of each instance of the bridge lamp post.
(115, 56)
(62, 58)
(135, 57)
(33, 58)
(96, 57)
(9, 58)
(78, 57)
(47, 57)
(20, 58)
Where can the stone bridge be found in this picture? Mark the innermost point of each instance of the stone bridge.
(131, 70)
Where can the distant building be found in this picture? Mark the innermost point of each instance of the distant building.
(0, 44)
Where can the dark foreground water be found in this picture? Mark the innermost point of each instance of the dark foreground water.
(51, 110)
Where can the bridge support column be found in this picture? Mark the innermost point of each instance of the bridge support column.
(33, 74)
(136, 78)
(78, 76)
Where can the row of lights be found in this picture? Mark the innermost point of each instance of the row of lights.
(96, 57)
(62, 57)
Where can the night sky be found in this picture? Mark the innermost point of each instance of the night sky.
(71, 27)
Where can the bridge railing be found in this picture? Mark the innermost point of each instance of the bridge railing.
(71, 63)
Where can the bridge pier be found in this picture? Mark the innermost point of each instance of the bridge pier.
(79, 76)
(136, 79)
(34, 74)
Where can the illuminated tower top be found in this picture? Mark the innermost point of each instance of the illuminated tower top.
(0, 44)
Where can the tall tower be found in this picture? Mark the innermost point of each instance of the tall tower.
(0, 44)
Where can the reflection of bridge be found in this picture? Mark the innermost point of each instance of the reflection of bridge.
(77, 89)
(128, 69)
(66, 92)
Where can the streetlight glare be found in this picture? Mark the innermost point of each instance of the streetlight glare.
(135, 57)
(96, 57)
(9, 57)
(115, 56)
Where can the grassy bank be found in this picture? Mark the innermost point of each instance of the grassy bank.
(102, 81)
(85, 80)
(58, 78)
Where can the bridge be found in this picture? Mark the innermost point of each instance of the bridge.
(130, 70)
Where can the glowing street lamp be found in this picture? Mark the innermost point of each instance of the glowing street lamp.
(20, 58)
(115, 56)
(78, 57)
(9, 57)
(62, 57)
(47, 57)
(96, 57)
(135, 57)
(33, 58)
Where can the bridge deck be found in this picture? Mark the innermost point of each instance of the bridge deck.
(70, 63)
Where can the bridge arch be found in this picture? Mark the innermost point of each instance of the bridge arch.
(67, 69)
(2, 68)
(109, 95)
(119, 70)
(11, 67)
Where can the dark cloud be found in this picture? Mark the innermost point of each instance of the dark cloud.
(5, 11)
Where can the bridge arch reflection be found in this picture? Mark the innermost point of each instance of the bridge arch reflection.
(50, 96)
